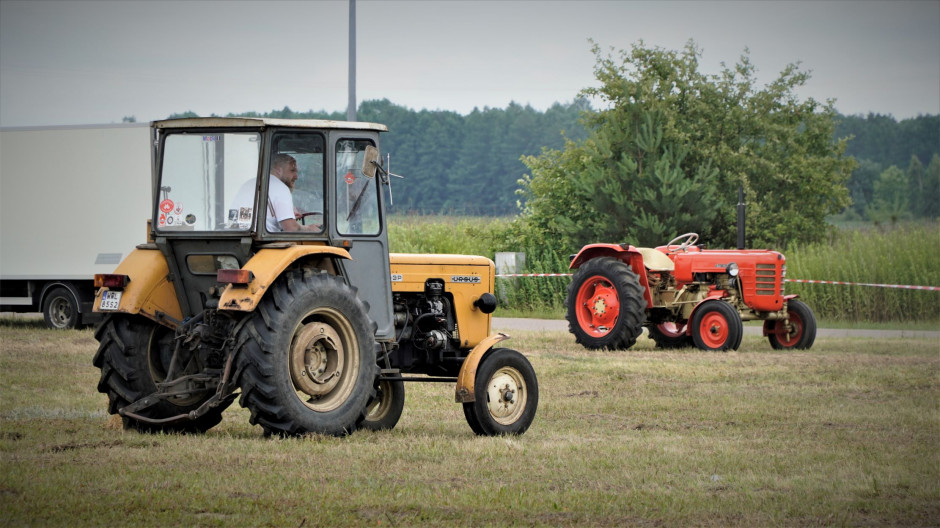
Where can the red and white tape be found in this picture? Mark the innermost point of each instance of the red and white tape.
(535, 275)
(839, 283)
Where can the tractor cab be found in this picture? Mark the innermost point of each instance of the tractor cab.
(227, 188)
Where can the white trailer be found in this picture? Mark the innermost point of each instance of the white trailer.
(74, 200)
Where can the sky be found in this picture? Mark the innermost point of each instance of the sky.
(82, 62)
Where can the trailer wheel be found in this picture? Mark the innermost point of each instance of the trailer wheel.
(716, 325)
(60, 309)
(133, 355)
(802, 329)
(670, 335)
(385, 409)
(606, 307)
(307, 358)
(507, 394)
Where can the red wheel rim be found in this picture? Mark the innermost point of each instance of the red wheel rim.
(671, 329)
(598, 306)
(796, 330)
(713, 330)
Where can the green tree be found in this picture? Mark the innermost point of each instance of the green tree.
(916, 187)
(862, 184)
(691, 139)
(890, 201)
(930, 201)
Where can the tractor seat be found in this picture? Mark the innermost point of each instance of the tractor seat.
(656, 260)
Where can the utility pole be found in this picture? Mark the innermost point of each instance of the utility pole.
(351, 107)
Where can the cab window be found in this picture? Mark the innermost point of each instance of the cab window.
(201, 173)
(357, 204)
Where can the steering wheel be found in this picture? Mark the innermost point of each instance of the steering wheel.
(301, 216)
(687, 239)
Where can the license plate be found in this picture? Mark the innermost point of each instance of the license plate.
(110, 300)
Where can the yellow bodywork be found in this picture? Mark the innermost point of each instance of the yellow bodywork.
(409, 272)
(266, 266)
(466, 279)
(149, 292)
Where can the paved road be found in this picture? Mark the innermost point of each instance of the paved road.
(514, 323)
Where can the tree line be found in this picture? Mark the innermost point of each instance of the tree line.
(472, 164)
(458, 164)
(898, 172)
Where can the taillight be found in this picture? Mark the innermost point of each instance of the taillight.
(111, 280)
(234, 276)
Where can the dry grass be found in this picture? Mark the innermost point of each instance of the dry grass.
(846, 434)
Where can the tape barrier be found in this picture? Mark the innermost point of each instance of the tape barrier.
(839, 283)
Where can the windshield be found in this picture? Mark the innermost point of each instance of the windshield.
(201, 173)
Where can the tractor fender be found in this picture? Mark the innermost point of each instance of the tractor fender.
(624, 252)
(630, 256)
(149, 291)
(266, 266)
(468, 371)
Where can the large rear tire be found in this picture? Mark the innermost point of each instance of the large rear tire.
(507, 394)
(133, 355)
(716, 325)
(606, 307)
(801, 333)
(307, 358)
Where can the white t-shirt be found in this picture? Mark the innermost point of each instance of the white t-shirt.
(280, 204)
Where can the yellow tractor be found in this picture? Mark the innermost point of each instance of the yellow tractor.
(266, 275)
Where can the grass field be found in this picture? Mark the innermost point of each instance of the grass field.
(847, 434)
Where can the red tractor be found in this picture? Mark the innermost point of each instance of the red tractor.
(684, 295)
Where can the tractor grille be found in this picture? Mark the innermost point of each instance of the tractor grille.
(768, 280)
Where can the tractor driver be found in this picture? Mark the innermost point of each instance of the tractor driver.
(281, 214)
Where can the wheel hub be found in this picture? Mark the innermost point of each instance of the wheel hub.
(316, 359)
(600, 306)
(506, 396)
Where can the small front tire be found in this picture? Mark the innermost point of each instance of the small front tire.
(507, 395)
(802, 328)
(716, 325)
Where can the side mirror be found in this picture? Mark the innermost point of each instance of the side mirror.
(369, 161)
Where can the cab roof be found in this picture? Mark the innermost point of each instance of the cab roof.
(257, 122)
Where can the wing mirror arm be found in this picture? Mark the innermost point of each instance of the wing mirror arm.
(385, 175)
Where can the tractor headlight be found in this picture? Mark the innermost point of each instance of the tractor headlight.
(732, 269)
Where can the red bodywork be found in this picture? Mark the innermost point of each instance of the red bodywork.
(760, 271)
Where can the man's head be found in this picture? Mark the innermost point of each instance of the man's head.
(285, 168)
